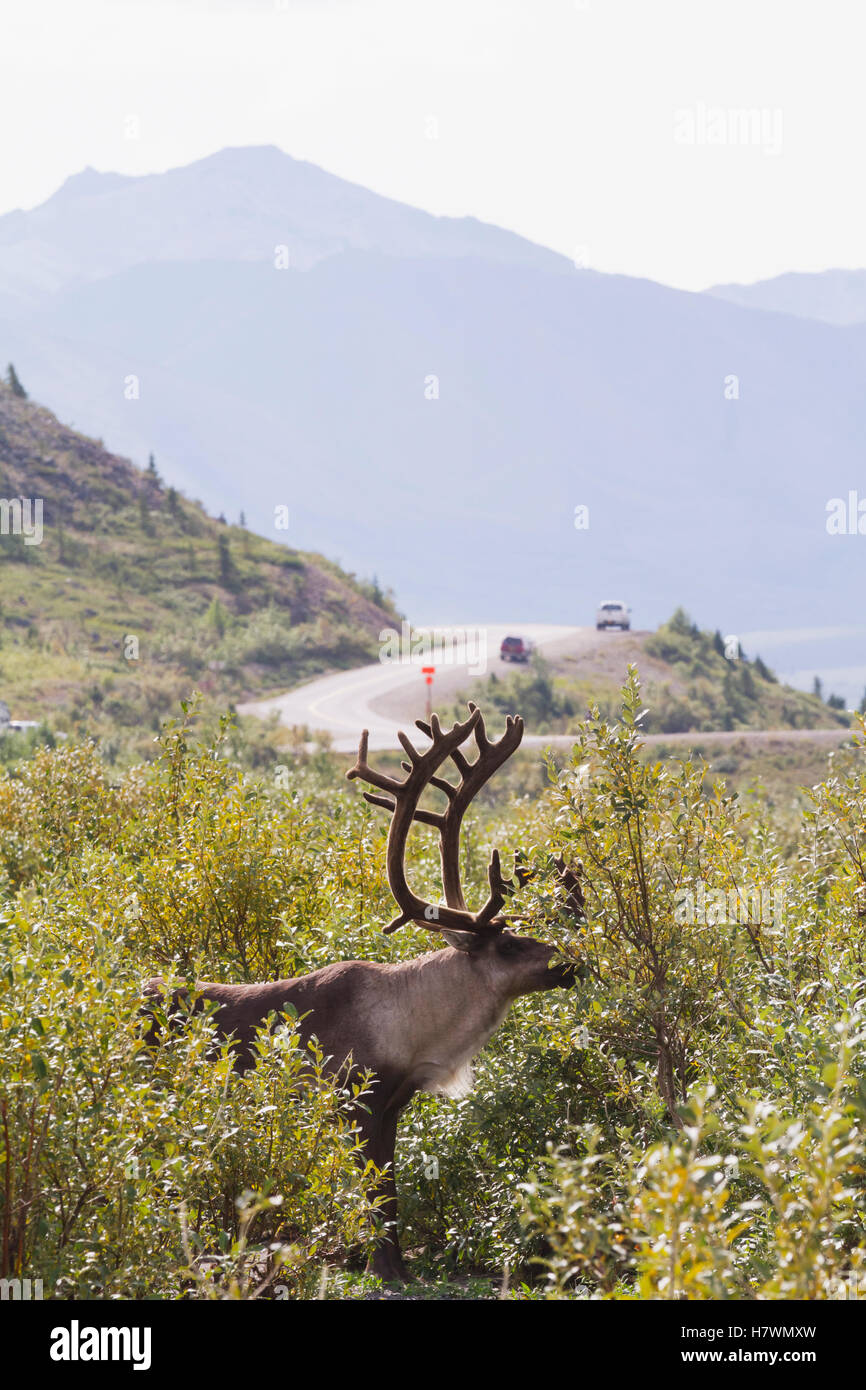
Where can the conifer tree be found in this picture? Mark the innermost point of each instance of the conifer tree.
(14, 383)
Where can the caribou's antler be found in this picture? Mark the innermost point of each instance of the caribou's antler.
(402, 802)
(472, 778)
(574, 899)
(570, 879)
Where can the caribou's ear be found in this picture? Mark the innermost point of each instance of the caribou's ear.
(461, 940)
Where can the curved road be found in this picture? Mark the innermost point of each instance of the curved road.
(390, 695)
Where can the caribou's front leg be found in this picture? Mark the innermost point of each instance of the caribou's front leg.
(387, 1260)
(380, 1133)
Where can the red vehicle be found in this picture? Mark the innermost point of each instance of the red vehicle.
(515, 649)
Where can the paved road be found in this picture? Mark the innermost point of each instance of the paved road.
(388, 696)
(838, 735)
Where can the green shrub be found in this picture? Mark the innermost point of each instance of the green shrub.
(687, 1122)
(129, 1174)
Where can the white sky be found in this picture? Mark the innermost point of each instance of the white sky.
(556, 118)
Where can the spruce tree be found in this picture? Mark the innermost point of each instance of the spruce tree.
(747, 682)
(216, 617)
(764, 671)
(14, 383)
(226, 564)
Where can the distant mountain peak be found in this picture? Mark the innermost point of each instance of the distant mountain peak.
(291, 331)
(235, 205)
(89, 181)
(836, 295)
(237, 154)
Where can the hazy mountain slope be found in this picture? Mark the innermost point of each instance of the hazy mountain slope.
(135, 595)
(833, 296)
(238, 204)
(556, 388)
(259, 387)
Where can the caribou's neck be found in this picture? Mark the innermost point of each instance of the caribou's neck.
(444, 1011)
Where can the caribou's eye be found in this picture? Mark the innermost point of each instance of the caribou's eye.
(510, 947)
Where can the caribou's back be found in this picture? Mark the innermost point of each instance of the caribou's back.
(330, 1003)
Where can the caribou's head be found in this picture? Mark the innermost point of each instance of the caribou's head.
(504, 963)
(510, 965)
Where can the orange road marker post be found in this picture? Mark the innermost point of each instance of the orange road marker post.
(428, 672)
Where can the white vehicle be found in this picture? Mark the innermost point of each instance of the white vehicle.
(613, 613)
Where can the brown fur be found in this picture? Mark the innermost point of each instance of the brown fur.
(417, 1025)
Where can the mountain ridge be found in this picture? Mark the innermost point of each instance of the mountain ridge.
(835, 296)
(243, 203)
(444, 415)
(133, 595)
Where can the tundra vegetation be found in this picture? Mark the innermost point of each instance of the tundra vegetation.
(686, 1123)
(135, 594)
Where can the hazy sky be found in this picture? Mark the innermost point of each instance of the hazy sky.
(685, 140)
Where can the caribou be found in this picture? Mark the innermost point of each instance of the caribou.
(416, 1025)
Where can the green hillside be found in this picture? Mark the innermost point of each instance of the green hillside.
(689, 683)
(135, 595)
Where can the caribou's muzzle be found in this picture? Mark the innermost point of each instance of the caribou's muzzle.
(564, 976)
